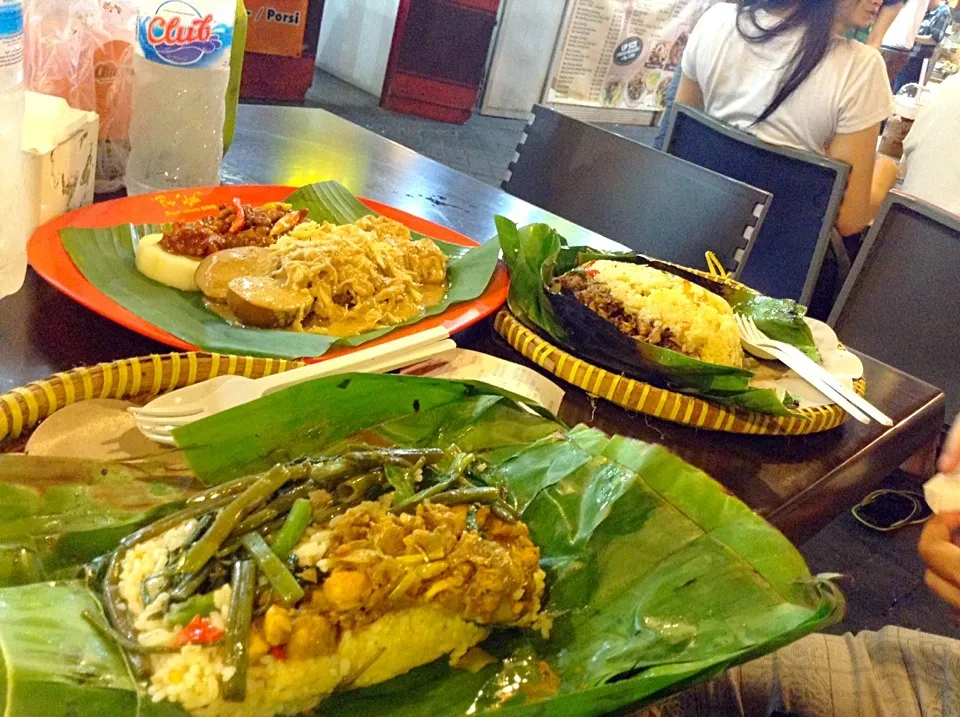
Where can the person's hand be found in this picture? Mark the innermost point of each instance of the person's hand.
(942, 557)
(950, 456)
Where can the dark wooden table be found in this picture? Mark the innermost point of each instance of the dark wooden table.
(798, 483)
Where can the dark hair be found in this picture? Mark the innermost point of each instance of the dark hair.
(817, 19)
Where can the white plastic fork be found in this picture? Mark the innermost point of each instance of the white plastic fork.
(755, 341)
(159, 418)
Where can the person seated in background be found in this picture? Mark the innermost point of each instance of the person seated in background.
(900, 38)
(780, 70)
(888, 13)
(930, 152)
(932, 31)
(873, 34)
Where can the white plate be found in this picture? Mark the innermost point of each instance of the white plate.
(842, 364)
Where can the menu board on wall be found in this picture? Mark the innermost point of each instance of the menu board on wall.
(622, 54)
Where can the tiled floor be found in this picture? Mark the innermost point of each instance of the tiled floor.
(482, 148)
(883, 576)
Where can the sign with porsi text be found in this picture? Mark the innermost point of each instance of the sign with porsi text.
(276, 27)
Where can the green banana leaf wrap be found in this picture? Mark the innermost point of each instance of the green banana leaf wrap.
(57, 514)
(106, 258)
(656, 576)
(536, 254)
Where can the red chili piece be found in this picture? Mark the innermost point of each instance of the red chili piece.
(198, 631)
(278, 652)
(241, 217)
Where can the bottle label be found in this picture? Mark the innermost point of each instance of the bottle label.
(11, 34)
(195, 34)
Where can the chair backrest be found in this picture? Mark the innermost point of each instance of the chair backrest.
(807, 188)
(651, 202)
(901, 301)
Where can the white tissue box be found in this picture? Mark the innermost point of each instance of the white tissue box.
(59, 157)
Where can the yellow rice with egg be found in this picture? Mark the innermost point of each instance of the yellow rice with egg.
(406, 589)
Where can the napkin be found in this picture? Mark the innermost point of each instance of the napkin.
(942, 493)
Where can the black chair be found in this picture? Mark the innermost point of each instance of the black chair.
(628, 192)
(901, 302)
(807, 189)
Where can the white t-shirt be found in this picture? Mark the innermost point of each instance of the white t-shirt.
(847, 92)
(903, 30)
(930, 149)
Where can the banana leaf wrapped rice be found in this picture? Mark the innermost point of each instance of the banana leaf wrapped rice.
(647, 319)
(655, 576)
(320, 576)
(658, 308)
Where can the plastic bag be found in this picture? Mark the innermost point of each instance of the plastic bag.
(113, 79)
(82, 50)
(59, 40)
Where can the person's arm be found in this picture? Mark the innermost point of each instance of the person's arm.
(689, 93)
(950, 455)
(942, 557)
(871, 178)
(885, 18)
(937, 547)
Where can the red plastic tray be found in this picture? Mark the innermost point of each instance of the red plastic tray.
(51, 261)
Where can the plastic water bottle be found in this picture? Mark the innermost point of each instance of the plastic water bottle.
(13, 210)
(181, 67)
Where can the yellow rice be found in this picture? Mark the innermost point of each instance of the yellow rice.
(192, 676)
(701, 322)
(393, 645)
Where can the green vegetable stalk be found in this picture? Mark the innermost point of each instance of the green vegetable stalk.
(284, 585)
(467, 495)
(293, 528)
(183, 613)
(244, 583)
(207, 546)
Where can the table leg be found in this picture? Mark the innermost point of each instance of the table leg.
(922, 465)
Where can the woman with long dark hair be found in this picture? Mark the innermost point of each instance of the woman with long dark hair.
(780, 69)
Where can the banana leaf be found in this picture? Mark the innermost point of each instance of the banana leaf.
(780, 319)
(54, 663)
(536, 254)
(657, 577)
(306, 418)
(57, 513)
(106, 258)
